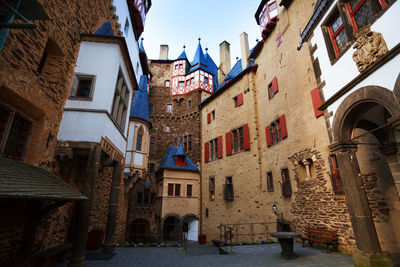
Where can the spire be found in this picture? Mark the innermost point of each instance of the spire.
(183, 54)
(199, 60)
(140, 103)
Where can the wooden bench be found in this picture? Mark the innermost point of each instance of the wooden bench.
(51, 256)
(325, 236)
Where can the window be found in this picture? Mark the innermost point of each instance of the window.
(205, 79)
(346, 19)
(177, 190)
(286, 186)
(167, 67)
(276, 131)
(187, 82)
(192, 80)
(176, 66)
(189, 104)
(14, 133)
(181, 84)
(273, 88)
(180, 160)
(152, 167)
(180, 66)
(139, 139)
(189, 190)
(152, 144)
(238, 100)
(120, 102)
(237, 140)
(206, 212)
(167, 83)
(126, 28)
(213, 149)
(228, 189)
(189, 145)
(144, 197)
(82, 87)
(212, 188)
(270, 182)
(167, 129)
(169, 108)
(186, 141)
(174, 190)
(170, 189)
(213, 115)
(337, 185)
(268, 13)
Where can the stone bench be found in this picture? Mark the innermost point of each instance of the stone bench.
(324, 236)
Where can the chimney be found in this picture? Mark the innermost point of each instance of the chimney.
(225, 60)
(163, 51)
(244, 47)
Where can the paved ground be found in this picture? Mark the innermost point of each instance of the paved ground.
(206, 255)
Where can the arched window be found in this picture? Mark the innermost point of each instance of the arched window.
(139, 140)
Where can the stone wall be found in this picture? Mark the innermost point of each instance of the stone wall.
(315, 205)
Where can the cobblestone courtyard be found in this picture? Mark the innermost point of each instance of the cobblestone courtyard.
(206, 255)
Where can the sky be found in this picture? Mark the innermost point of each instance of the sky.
(181, 22)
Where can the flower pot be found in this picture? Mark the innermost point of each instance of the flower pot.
(202, 239)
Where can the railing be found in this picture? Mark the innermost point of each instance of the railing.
(249, 232)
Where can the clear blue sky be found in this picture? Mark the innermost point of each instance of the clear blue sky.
(182, 22)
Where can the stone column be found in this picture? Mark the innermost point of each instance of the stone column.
(109, 246)
(84, 209)
(368, 249)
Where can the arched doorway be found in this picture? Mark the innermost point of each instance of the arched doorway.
(140, 230)
(366, 149)
(193, 227)
(172, 229)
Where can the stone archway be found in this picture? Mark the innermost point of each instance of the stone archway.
(365, 130)
(139, 230)
(172, 228)
(192, 221)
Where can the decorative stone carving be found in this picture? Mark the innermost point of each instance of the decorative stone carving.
(370, 46)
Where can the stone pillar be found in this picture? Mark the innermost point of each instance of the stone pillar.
(368, 249)
(84, 208)
(109, 245)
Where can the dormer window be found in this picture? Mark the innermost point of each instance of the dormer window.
(180, 160)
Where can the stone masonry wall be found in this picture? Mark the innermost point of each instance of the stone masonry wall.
(315, 205)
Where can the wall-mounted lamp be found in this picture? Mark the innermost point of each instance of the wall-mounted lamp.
(274, 208)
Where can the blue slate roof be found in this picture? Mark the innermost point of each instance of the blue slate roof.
(199, 61)
(212, 68)
(141, 47)
(180, 151)
(105, 29)
(169, 161)
(182, 55)
(140, 104)
(320, 6)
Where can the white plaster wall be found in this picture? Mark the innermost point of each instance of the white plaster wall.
(104, 61)
(89, 126)
(344, 70)
(193, 233)
(122, 12)
(385, 76)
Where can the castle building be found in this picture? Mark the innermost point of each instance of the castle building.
(354, 47)
(264, 143)
(64, 126)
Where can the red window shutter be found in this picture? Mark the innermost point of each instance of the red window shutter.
(208, 117)
(206, 152)
(268, 134)
(219, 140)
(274, 85)
(316, 100)
(282, 122)
(228, 143)
(246, 139)
(240, 99)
